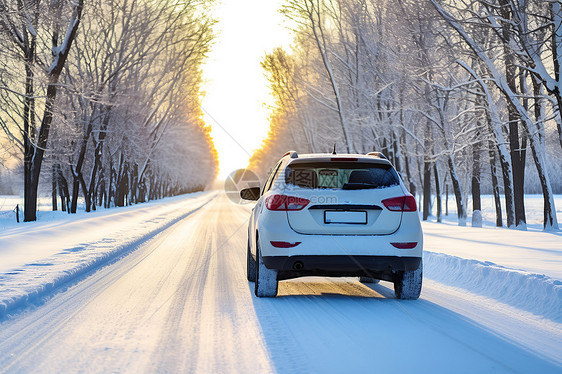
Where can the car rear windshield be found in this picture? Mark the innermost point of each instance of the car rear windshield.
(341, 175)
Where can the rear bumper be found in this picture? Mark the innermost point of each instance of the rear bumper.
(295, 266)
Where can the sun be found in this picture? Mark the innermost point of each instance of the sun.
(237, 95)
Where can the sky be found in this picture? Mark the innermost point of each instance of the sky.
(237, 94)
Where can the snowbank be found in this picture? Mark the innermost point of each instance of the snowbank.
(33, 281)
(531, 251)
(535, 293)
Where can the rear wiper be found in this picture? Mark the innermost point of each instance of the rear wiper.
(358, 186)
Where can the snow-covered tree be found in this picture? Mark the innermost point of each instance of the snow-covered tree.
(435, 85)
(126, 123)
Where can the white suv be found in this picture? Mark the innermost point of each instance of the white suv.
(334, 215)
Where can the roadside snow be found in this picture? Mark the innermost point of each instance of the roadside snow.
(53, 232)
(535, 293)
(519, 268)
(531, 251)
(36, 258)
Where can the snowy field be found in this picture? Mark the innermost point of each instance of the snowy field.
(44, 210)
(160, 287)
(533, 207)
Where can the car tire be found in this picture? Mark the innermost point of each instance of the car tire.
(266, 279)
(250, 265)
(408, 284)
(368, 280)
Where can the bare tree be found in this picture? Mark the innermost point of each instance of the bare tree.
(533, 129)
(26, 24)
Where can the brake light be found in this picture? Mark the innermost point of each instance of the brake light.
(343, 159)
(284, 244)
(410, 204)
(401, 204)
(284, 202)
(407, 245)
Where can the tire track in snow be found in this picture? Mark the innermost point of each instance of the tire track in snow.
(217, 332)
(184, 314)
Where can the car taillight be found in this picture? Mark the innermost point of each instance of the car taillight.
(284, 202)
(406, 245)
(284, 244)
(401, 204)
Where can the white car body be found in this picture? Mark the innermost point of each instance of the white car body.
(339, 232)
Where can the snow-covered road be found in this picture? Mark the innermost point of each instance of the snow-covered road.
(181, 303)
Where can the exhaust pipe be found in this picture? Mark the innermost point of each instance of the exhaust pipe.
(298, 265)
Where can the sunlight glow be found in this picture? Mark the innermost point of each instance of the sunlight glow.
(237, 96)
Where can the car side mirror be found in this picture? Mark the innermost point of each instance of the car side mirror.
(252, 193)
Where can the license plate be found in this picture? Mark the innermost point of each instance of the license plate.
(335, 216)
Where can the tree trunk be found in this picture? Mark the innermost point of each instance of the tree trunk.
(54, 187)
(34, 154)
(427, 174)
(446, 199)
(110, 194)
(87, 201)
(75, 191)
(134, 191)
(98, 153)
(495, 184)
(29, 136)
(60, 187)
(397, 152)
(461, 213)
(475, 185)
(77, 176)
(29, 198)
(122, 187)
(63, 188)
(550, 222)
(437, 191)
(514, 117)
(426, 190)
(101, 193)
(517, 154)
(411, 184)
(555, 10)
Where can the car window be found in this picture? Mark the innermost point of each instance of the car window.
(278, 174)
(268, 182)
(341, 175)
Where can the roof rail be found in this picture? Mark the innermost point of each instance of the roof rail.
(293, 154)
(377, 154)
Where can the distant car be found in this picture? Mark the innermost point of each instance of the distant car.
(334, 215)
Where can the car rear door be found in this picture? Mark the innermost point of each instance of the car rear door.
(338, 207)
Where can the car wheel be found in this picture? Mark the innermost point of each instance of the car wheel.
(408, 284)
(368, 280)
(250, 265)
(266, 279)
